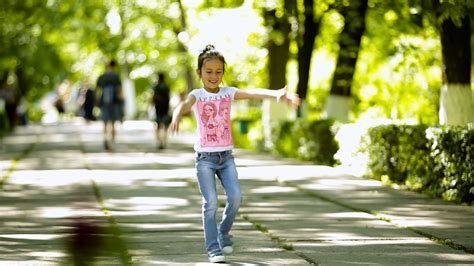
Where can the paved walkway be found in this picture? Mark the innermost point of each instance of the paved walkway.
(147, 206)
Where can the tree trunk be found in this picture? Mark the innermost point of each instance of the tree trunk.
(128, 86)
(278, 46)
(184, 50)
(305, 52)
(349, 45)
(456, 105)
(278, 55)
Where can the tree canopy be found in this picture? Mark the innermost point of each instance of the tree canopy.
(398, 73)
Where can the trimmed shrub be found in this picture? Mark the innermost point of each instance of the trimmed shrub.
(306, 140)
(434, 160)
(453, 149)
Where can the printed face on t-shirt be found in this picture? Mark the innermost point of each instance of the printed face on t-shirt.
(215, 125)
(209, 110)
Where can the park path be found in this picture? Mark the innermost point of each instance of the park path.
(148, 206)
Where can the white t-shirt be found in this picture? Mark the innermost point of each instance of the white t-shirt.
(212, 112)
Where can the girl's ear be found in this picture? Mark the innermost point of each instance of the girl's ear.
(198, 72)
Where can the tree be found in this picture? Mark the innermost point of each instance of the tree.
(27, 52)
(182, 46)
(279, 29)
(453, 20)
(349, 45)
(307, 35)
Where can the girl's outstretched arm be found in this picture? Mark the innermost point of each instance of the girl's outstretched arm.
(183, 108)
(281, 95)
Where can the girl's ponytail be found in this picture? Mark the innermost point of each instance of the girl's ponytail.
(208, 48)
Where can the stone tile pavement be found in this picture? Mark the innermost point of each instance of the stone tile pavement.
(144, 206)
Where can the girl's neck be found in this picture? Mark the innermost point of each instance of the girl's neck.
(216, 90)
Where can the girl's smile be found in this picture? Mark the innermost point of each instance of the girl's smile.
(211, 74)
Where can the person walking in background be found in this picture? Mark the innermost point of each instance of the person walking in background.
(214, 155)
(110, 99)
(59, 105)
(161, 101)
(87, 101)
(11, 97)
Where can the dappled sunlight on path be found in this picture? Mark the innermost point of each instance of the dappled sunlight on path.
(146, 206)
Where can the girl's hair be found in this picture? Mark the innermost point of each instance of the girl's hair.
(210, 52)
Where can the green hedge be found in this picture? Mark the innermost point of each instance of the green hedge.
(436, 160)
(306, 140)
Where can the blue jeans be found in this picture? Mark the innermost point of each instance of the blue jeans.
(208, 165)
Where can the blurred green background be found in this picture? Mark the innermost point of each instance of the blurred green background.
(55, 46)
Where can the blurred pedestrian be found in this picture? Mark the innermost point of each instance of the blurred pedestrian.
(161, 101)
(11, 97)
(211, 105)
(87, 101)
(110, 100)
(59, 105)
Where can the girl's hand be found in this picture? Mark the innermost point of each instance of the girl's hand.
(288, 97)
(173, 128)
(183, 108)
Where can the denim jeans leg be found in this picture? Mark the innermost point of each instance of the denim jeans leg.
(206, 170)
(229, 179)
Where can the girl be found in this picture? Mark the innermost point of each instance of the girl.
(215, 157)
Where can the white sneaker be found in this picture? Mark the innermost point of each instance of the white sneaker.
(216, 256)
(228, 250)
(226, 243)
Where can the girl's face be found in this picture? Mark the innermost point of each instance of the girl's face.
(211, 74)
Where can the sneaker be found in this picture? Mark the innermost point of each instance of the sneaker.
(216, 256)
(226, 244)
(228, 249)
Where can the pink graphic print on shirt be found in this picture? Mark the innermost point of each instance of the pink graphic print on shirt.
(215, 123)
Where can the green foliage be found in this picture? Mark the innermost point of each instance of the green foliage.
(221, 3)
(35, 113)
(452, 9)
(301, 139)
(252, 138)
(399, 151)
(143, 85)
(307, 140)
(247, 128)
(144, 96)
(251, 112)
(26, 48)
(435, 160)
(453, 149)
(398, 71)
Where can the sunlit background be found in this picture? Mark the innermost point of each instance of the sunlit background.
(62, 45)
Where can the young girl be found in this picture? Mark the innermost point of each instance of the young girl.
(214, 155)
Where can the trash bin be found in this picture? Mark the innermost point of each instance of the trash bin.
(244, 126)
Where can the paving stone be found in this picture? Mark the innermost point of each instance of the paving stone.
(147, 204)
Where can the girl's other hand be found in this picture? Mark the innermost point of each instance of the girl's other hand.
(173, 128)
(288, 97)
